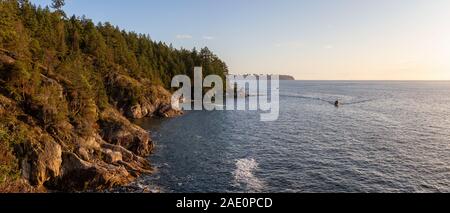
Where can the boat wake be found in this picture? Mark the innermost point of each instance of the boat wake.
(329, 100)
(359, 102)
(244, 175)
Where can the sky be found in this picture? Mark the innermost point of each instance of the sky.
(308, 39)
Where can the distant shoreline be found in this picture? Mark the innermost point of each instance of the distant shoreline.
(281, 77)
(375, 80)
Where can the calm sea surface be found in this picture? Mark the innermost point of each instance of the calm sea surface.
(386, 137)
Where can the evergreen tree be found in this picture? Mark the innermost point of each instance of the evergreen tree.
(58, 4)
(42, 37)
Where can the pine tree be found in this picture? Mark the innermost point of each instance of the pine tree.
(58, 4)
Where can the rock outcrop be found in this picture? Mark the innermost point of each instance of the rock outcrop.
(52, 154)
(101, 166)
(5, 59)
(139, 99)
(41, 161)
(117, 130)
(93, 163)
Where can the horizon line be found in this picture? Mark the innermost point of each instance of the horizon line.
(371, 80)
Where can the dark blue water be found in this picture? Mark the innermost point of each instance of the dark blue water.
(386, 137)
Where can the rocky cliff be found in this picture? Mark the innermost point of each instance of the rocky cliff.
(44, 148)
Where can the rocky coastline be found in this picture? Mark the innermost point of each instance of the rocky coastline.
(69, 89)
(112, 152)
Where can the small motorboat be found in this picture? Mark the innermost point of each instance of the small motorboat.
(337, 103)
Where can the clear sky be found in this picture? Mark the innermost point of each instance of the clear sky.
(309, 39)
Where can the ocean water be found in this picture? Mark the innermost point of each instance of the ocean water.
(386, 137)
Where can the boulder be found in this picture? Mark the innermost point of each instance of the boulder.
(166, 111)
(4, 59)
(135, 163)
(111, 156)
(78, 175)
(83, 153)
(97, 165)
(135, 112)
(41, 161)
(117, 130)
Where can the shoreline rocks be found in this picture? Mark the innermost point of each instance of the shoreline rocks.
(119, 131)
(41, 162)
(56, 157)
(139, 99)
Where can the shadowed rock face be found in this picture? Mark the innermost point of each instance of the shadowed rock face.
(42, 161)
(166, 111)
(119, 131)
(139, 99)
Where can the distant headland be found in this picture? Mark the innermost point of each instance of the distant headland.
(282, 77)
(287, 78)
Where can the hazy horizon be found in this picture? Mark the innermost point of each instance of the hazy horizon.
(310, 40)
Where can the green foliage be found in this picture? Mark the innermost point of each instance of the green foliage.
(13, 34)
(11, 133)
(63, 65)
(49, 106)
(50, 40)
(18, 76)
(8, 19)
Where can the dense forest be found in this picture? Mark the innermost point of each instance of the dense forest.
(57, 42)
(68, 80)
